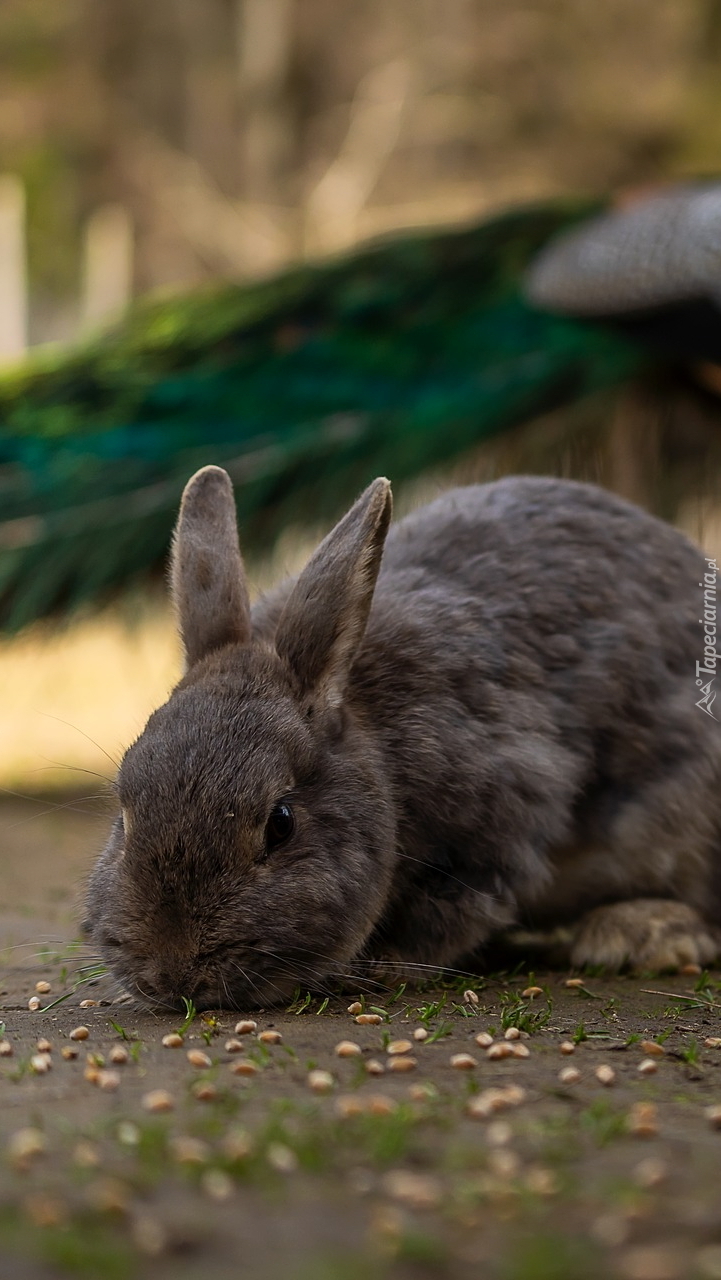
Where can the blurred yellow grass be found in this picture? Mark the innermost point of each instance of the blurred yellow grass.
(67, 697)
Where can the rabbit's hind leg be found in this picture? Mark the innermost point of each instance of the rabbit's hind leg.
(645, 933)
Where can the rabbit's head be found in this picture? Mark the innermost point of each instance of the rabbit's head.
(253, 851)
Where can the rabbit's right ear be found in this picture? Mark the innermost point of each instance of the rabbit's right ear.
(324, 619)
(207, 577)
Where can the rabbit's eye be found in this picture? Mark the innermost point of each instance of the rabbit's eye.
(280, 826)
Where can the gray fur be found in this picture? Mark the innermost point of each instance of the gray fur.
(509, 735)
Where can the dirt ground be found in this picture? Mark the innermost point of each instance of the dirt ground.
(498, 1169)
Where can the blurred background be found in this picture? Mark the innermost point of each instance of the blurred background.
(156, 146)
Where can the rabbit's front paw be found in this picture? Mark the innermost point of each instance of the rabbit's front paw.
(646, 933)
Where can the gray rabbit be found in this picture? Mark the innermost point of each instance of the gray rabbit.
(486, 716)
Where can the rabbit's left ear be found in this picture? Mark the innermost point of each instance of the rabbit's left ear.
(206, 570)
(325, 616)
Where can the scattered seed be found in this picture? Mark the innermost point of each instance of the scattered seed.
(374, 1068)
(422, 1092)
(91, 1074)
(503, 1163)
(270, 1037)
(109, 1195)
(217, 1184)
(713, 1115)
(642, 1120)
(172, 1041)
(463, 1061)
(149, 1236)
(651, 1049)
(89, 1004)
(79, 1033)
(118, 1054)
(647, 1067)
(541, 1181)
(420, 1033)
(197, 1058)
(69, 1052)
(403, 1064)
(25, 1145)
(246, 1027)
(189, 1150)
(574, 982)
(369, 1019)
(484, 1040)
(713, 1042)
(6, 1049)
(43, 988)
(234, 1046)
(204, 1091)
(567, 1046)
(347, 1105)
(45, 1211)
(650, 1172)
(158, 1100)
(399, 1046)
(569, 1075)
(128, 1133)
(498, 1133)
(605, 1074)
(690, 970)
(379, 1104)
(108, 1080)
(281, 1158)
(500, 1050)
(237, 1144)
(347, 1049)
(520, 1050)
(530, 993)
(512, 1033)
(244, 1067)
(417, 1190)
(320, 1081)
(41, 1063)
(355, 1007)
(86, 1155)
(470, 997)
(34, 1004)
(44, 1046)
(485, 1104)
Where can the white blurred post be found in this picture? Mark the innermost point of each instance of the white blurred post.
(13, 270)
(107, 269)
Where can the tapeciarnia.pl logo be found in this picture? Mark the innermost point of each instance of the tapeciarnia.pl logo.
(710, 656)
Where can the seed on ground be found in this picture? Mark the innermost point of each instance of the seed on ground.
(158, 1100)
(347, 1049)
(89, 1004)
(541, 1181)
(148, 1235)
(404, 1063)
(399, 1046)
(512, 1033)
(642, 1120)
(470, 997)
(237, 1144)
(567, 1046)
(270, 1037)
(484, 1040)
(109, 1195)
(463, 1061)
(128, 1133)
(498, 1133)
(25, 1145)
(348, 1105)
(197, 1058)
(44, 1046)
(189, 1150)
(375, 1068)
(281, 1158)
(713, 1115)
(118, 1054)
(605, 1074)
(417, 1190)
(234, 1046)
(79, 1033)
(573, 983)
(520, 1050)
(41, 1063)
(86, 1155)
(217, 1184)
(713, 1042)
(501, 1050)
(355, 1007)
(569, 1075)
(379, 1104)
(34, 1004)
(530, 993)
(647, 1067)
(485, 1104)
(245, 1027)
(503, 1163)
(368, 1019)
(108, 1080)
(69, 1052)
(690, 970)
(320, 1081)
(420, 1033)
(650, 1172)
(422, 1092)
(204, 1091)
(91, 1074)
(172, 1041)
(651, 1049)
(6, 1049)
(244, 1067)
(43, 988)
